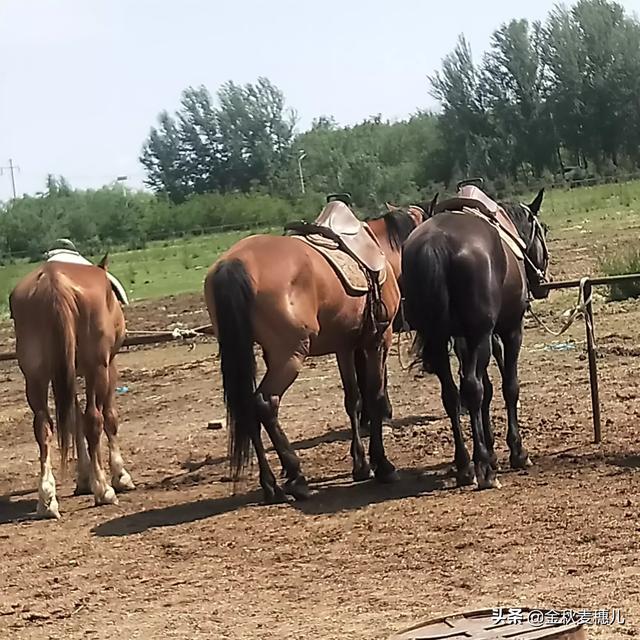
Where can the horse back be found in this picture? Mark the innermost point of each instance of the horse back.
(84, 291)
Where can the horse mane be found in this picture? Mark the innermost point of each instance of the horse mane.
(519, 215)
(399, 226)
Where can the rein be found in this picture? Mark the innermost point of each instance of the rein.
(577, 311)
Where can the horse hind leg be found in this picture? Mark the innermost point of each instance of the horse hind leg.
(97, 387)
(83, 470)
(474, 365)
(465, 473)
(280, 375)
(120, 477)
(37, 390)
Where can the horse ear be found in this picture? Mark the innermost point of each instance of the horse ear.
(537, 203)
(104, 263)
(432, 204)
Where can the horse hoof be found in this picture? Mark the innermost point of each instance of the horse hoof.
(466, 477)
(520, 462)
(108, 497)
(123, 483)
(487, 478)
(298, 488)
(362, 474)
(489, 483)
(48, 512)
(386, 473)
(275, 496)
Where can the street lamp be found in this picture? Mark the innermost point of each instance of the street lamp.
(301, 156)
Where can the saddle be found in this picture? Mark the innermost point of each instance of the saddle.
(338, 223)
(340, 226)
(471, 199)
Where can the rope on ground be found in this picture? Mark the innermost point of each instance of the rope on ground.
(578, 310)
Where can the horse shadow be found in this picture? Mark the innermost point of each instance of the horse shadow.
(174, 515)
(341, 495)
(13, 511)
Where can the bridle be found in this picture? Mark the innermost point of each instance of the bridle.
(537, 232)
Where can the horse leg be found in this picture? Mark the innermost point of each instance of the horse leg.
(120, 478)
(277, 379)
(83, 484)
(353, 405)
(360, 363)
(37, 389)
(97, 387)
(383, 469)
(519, 458)
(475, 360)
(489, 438)
(465, 473)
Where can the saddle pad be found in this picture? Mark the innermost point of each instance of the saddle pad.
(516, 248)
(64, 255)
(347, 268)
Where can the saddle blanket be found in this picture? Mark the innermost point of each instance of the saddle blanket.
(347, 268)
(66, 255)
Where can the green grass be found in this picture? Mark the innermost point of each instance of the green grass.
(161, 269)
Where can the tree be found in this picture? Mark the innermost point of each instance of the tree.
(243, 143)
(513, 77)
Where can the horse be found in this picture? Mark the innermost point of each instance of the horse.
(284, 295)
(68, 322)
(391, 230)
(462, 282)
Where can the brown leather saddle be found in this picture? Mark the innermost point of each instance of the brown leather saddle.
(471, 197)
(338, 223)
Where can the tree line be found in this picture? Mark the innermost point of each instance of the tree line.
(547, 101)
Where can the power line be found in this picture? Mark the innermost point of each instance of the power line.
(11, 168)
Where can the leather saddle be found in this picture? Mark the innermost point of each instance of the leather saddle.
(338, 223)
(471, 197)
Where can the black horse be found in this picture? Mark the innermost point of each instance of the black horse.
(462, 282)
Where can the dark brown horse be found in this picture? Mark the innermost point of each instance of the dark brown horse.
(461, 281)
(279, 292)
(68, 322)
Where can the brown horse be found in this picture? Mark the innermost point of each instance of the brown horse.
(279, 292)
(462, 281)
(68, 322)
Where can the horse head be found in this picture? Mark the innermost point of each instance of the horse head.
(533, 232)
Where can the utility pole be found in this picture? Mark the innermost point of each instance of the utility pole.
(11, 169)
(301, 156)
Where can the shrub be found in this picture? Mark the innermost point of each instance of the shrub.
(623, 261)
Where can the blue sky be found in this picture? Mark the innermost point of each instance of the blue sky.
(82, 81)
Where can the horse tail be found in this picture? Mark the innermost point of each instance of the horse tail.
(62, 302)
(234, 300)
(425, 272)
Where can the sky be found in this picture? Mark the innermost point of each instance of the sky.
(82, 81)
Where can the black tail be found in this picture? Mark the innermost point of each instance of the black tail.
(427, 304)
(234, 298)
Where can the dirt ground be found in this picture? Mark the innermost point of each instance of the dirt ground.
(183, 557)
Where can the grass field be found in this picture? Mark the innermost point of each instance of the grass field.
(178, 266)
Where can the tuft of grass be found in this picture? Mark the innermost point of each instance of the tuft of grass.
(623, 261)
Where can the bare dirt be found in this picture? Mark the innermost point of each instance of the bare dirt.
(185, 557)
